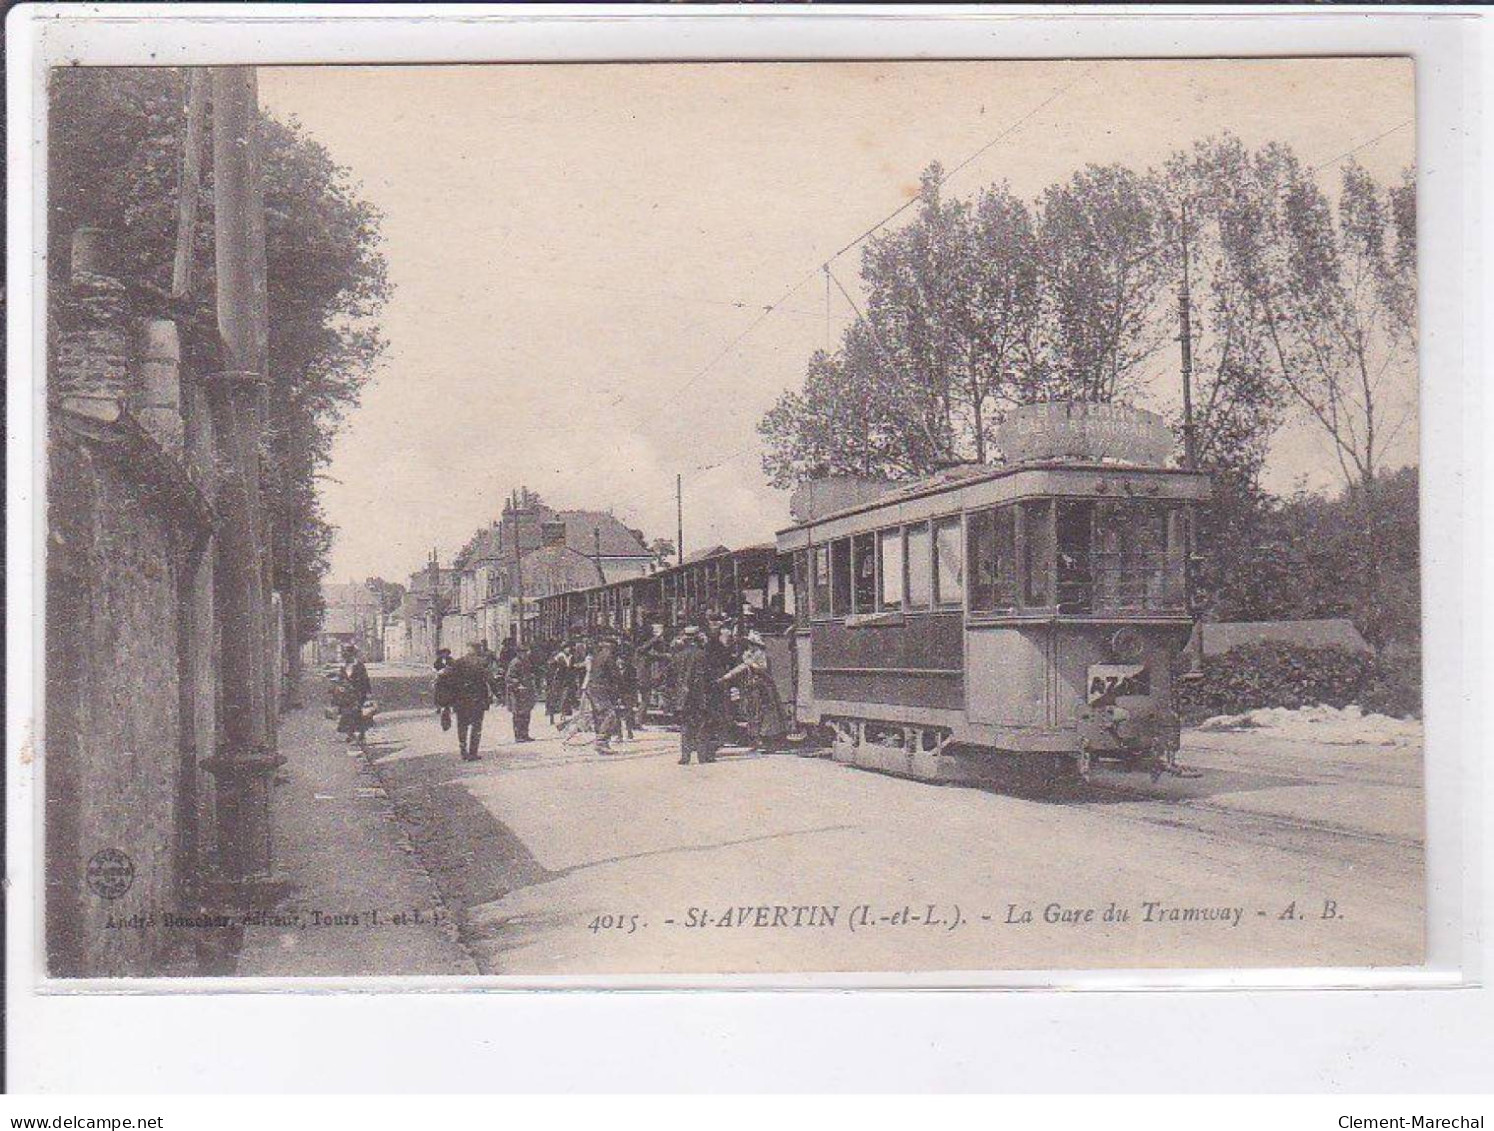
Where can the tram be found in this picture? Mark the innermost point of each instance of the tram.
(1012, 621)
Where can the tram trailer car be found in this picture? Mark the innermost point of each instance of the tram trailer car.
(1007, 623)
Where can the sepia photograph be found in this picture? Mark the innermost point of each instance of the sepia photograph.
(601, 521)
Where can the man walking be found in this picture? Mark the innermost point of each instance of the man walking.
(468, 693)
(601, 690)
(519, 682)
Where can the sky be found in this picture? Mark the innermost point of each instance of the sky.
(581, 255)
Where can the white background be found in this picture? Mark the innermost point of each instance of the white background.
(1101, 1040)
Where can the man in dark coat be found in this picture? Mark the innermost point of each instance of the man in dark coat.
(466, 689)
(695, 692)
(520, 685)
(602, 689)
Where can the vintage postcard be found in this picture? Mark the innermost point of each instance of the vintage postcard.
(663, 519)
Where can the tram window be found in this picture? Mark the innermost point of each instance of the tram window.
(864, 562)
(1076, 579)
(1037, 553)
(890, 568)
(993, 560)
(949, 562)
(840, 577)
(821, 564)
(920, 569)
(800, 592)
(1133, 569)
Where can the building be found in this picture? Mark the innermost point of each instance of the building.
(353, 615)
(428, 617)
(548, 551)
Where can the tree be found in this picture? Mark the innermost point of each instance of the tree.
(115, 160)
(1334, 297)
(663, 550)
(950, 333)
(854, 416)
(1097, 236)
(390, 593)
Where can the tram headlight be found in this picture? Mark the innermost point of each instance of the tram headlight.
(1126, 645)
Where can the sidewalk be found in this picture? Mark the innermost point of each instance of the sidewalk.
(360, 902)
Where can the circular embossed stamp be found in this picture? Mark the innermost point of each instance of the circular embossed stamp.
(110, 873)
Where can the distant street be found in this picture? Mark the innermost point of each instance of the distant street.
(557, 860)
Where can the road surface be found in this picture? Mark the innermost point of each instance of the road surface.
(558, 860)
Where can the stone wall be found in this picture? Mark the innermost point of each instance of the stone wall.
(131, 698)
(113, 750)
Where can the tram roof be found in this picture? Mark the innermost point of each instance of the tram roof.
(963, 476)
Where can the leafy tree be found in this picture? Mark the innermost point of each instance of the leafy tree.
(1333, 292)
(115, 158)
(390, 593)
(1097, 237)
(663, 551)
(950, 334)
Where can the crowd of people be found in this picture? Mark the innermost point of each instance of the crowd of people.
(711, 677)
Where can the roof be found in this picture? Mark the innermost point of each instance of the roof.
(557, 569)
(1329, 633)
(586, 531)
(961, 475)
(702, 555)
(349, 594)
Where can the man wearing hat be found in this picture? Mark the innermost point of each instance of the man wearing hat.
(695, 695)
(467, 690)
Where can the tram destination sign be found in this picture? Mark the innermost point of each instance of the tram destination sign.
(1076, 430)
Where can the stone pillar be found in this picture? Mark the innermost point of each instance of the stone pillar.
(161, 393)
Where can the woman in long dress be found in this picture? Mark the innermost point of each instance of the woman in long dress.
(767, 721)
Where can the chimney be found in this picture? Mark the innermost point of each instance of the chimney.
(93, 352)
(160, 371)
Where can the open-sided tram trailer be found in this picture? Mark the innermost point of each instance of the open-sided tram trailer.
(993, 621)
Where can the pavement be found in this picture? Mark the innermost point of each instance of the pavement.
(556, 860)
(359, 900)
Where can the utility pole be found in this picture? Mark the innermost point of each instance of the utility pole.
(1185, 336)
(1190, 448)
(244, 764)
(679, 522)
(518, 573)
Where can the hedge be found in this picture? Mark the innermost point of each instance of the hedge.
(1289, 675)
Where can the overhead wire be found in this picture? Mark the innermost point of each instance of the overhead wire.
(789, 293)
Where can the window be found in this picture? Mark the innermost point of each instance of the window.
(949, 562)
(840, 577)
(890, 568)
(920, 570)
(1075, 531)
(864, 562)
(1037, 553)
(820, 559)
(1135, 567)
(798, 597)
(993, 560)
